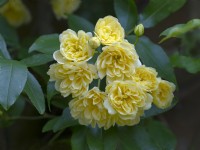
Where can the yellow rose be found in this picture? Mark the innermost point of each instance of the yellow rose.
(74, 47)
(147, 77)
(109, 30)
(117, 61)
(163, 95)
(126, 99)
(72, 78)
(62, 8)
(89, 109)
(15, 13)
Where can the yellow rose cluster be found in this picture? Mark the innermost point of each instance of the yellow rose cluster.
(131, 87)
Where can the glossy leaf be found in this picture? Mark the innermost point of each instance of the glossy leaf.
(35, 93)
(64, 121)
(158, 10)
(180, 29)
(3, 48)
(126, 12)
(110, 139)
(190, 64)
(46, 44)
(50, 124)
(78, 140)
(9, 33)
(37, 60)
(13, 76)
(77, 23)
(95, 139)
(51, 91)
(2, 2)
(152, 55)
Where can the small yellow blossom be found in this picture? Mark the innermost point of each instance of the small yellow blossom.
(62, 8)
(72, 78)
(15, 13)
(74, 47)
(163, 95)
(89, 109)
(109, 30)
(146, 77)
(127, 100)
(117, 61)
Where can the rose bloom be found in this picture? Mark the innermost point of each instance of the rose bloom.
(109, 30)
(163, 95)
(89, 109)
(146, 77)
(74, 47)
(72, 78)
(127, 100)
(117, 61)
(62, 8)
(15, 13)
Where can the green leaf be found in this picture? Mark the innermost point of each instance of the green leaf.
(190, 64)
(9, 33)
(77, 23)
(147, 135)
(110, 138)
(51, 91)
(126, 12)
(37, 60)
(94, 139)
(78, 140)
(13, 76)
(3, 48)
(64, 121)
(152, 55)
(50, 124)
(35, 93)
(2, 2)
(46, 44)
(180, 29)
(158, 10)
(14, 111)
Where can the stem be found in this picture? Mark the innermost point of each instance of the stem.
(99, 81)
(137, 38)
(45, 116)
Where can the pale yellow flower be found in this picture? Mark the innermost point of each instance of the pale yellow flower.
(163, 95)
(74, 47)
(15, 13)
(62, 8)
(146, 77)
(109, 30)
(72, 78)
(89, 109)
(127, 100)
(117, 61)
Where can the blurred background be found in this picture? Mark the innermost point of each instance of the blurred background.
(183, 119)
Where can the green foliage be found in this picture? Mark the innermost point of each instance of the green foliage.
(35, 93)
(37, 60)
(77, 23)
(2, 2)
(13, 76)
(157, 10)
(9, 33)
(152, 55)
(126, 12)
(180, 29)
(46, 44)
(3, 48)
(50, 93)
(59, 123)
(148, 134)
(192, 65)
